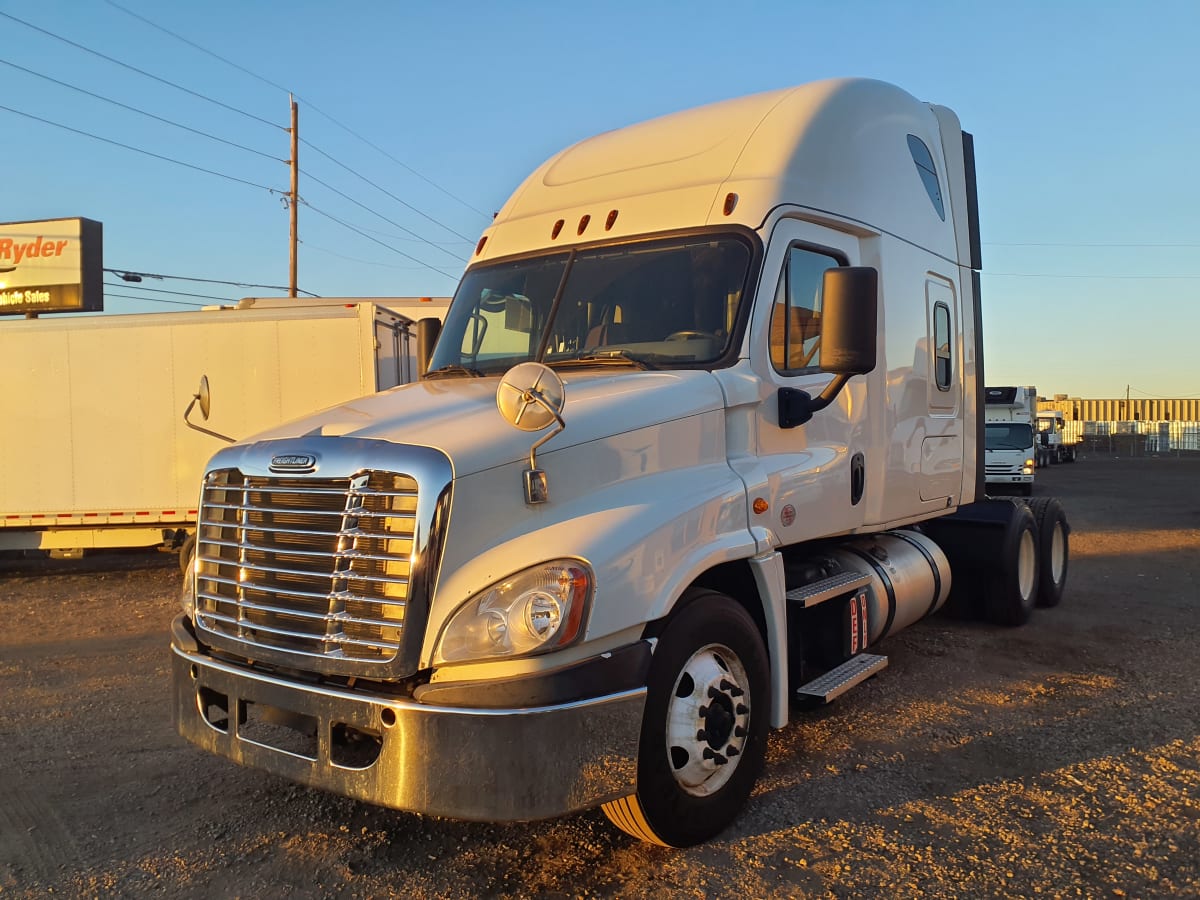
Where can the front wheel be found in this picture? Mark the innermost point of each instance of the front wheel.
(704, 731)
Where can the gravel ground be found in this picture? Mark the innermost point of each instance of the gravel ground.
(1056, 760)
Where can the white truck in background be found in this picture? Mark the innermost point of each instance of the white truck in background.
(1009, 451)
(702, 428)
(95, 451)
(1054, 445)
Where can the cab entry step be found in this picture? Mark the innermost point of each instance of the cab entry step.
(836, 682)
(826, 589)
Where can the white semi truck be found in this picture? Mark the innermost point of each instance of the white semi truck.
(95, 452)
(1009, 453)
(702, 428)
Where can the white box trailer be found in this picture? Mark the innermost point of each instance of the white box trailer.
(95, 452)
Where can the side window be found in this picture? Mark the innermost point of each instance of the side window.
(943, 363)
(796, 313)
(928, 172)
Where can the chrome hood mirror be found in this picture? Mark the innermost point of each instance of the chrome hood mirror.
(531, 397)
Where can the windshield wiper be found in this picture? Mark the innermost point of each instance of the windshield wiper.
(454, 370)
(607, 358)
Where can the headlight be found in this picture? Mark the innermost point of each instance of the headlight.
(539, 609)
(1028, 470)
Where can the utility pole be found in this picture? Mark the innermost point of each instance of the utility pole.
(294, 197)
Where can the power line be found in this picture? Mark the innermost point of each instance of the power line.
(383, 190)
(1187, 396)
(392, 222)
(272, 287)
(1051, 275)
(169, 159)
(315, 109)
(365, 262)
(142, 112)
(1110, 245)
(362, 233)
(403, 165)
(134, 287)
(124, 65)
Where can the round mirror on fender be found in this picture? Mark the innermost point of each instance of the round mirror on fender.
(530, 396)
(204, 397)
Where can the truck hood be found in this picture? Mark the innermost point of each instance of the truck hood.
(459, 416)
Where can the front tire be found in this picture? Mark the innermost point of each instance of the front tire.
(704, 731)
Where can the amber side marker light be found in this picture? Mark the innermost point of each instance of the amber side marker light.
(583, 224)
(611, 220)
(760, 505)
(730, 203)
(479, 246)
(558, 226)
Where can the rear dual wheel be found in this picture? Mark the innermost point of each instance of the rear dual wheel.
(704, 729)
(1010, 593)
(1053, 549)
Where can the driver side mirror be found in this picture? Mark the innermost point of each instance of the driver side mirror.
(849, 318)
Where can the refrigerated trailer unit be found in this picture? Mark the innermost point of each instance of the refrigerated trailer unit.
(1009, 453)
(95, 452)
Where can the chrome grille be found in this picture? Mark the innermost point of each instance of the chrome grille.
(318, 567)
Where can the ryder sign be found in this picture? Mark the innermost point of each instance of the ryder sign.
(55, 265)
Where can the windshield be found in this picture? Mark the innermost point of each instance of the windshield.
(1008, 436)
(653, 304)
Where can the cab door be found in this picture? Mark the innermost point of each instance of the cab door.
(815, 472)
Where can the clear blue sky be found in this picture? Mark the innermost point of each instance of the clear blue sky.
(1085, 115)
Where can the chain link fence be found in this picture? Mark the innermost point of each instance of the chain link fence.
(1135, 438)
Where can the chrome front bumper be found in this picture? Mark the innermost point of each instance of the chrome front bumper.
(490, 765)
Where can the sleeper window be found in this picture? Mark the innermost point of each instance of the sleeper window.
(943, 363)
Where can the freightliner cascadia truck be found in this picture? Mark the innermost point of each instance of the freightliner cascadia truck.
(703, 426)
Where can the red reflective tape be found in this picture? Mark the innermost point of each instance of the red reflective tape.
(38, 516)
(168, 512)
(141, 513)
(116, 513)
(89, 515)
(65, 515)
(193, 512)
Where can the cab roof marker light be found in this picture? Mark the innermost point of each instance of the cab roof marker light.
(583, 224)
(611, 220)
(731, 202)
(479, 246)
(558, 226)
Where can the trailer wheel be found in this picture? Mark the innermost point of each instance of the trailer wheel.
(704, 730)
(1011, 593)
(1053, 549)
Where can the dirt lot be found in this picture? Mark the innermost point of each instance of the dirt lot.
(1059, 759)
